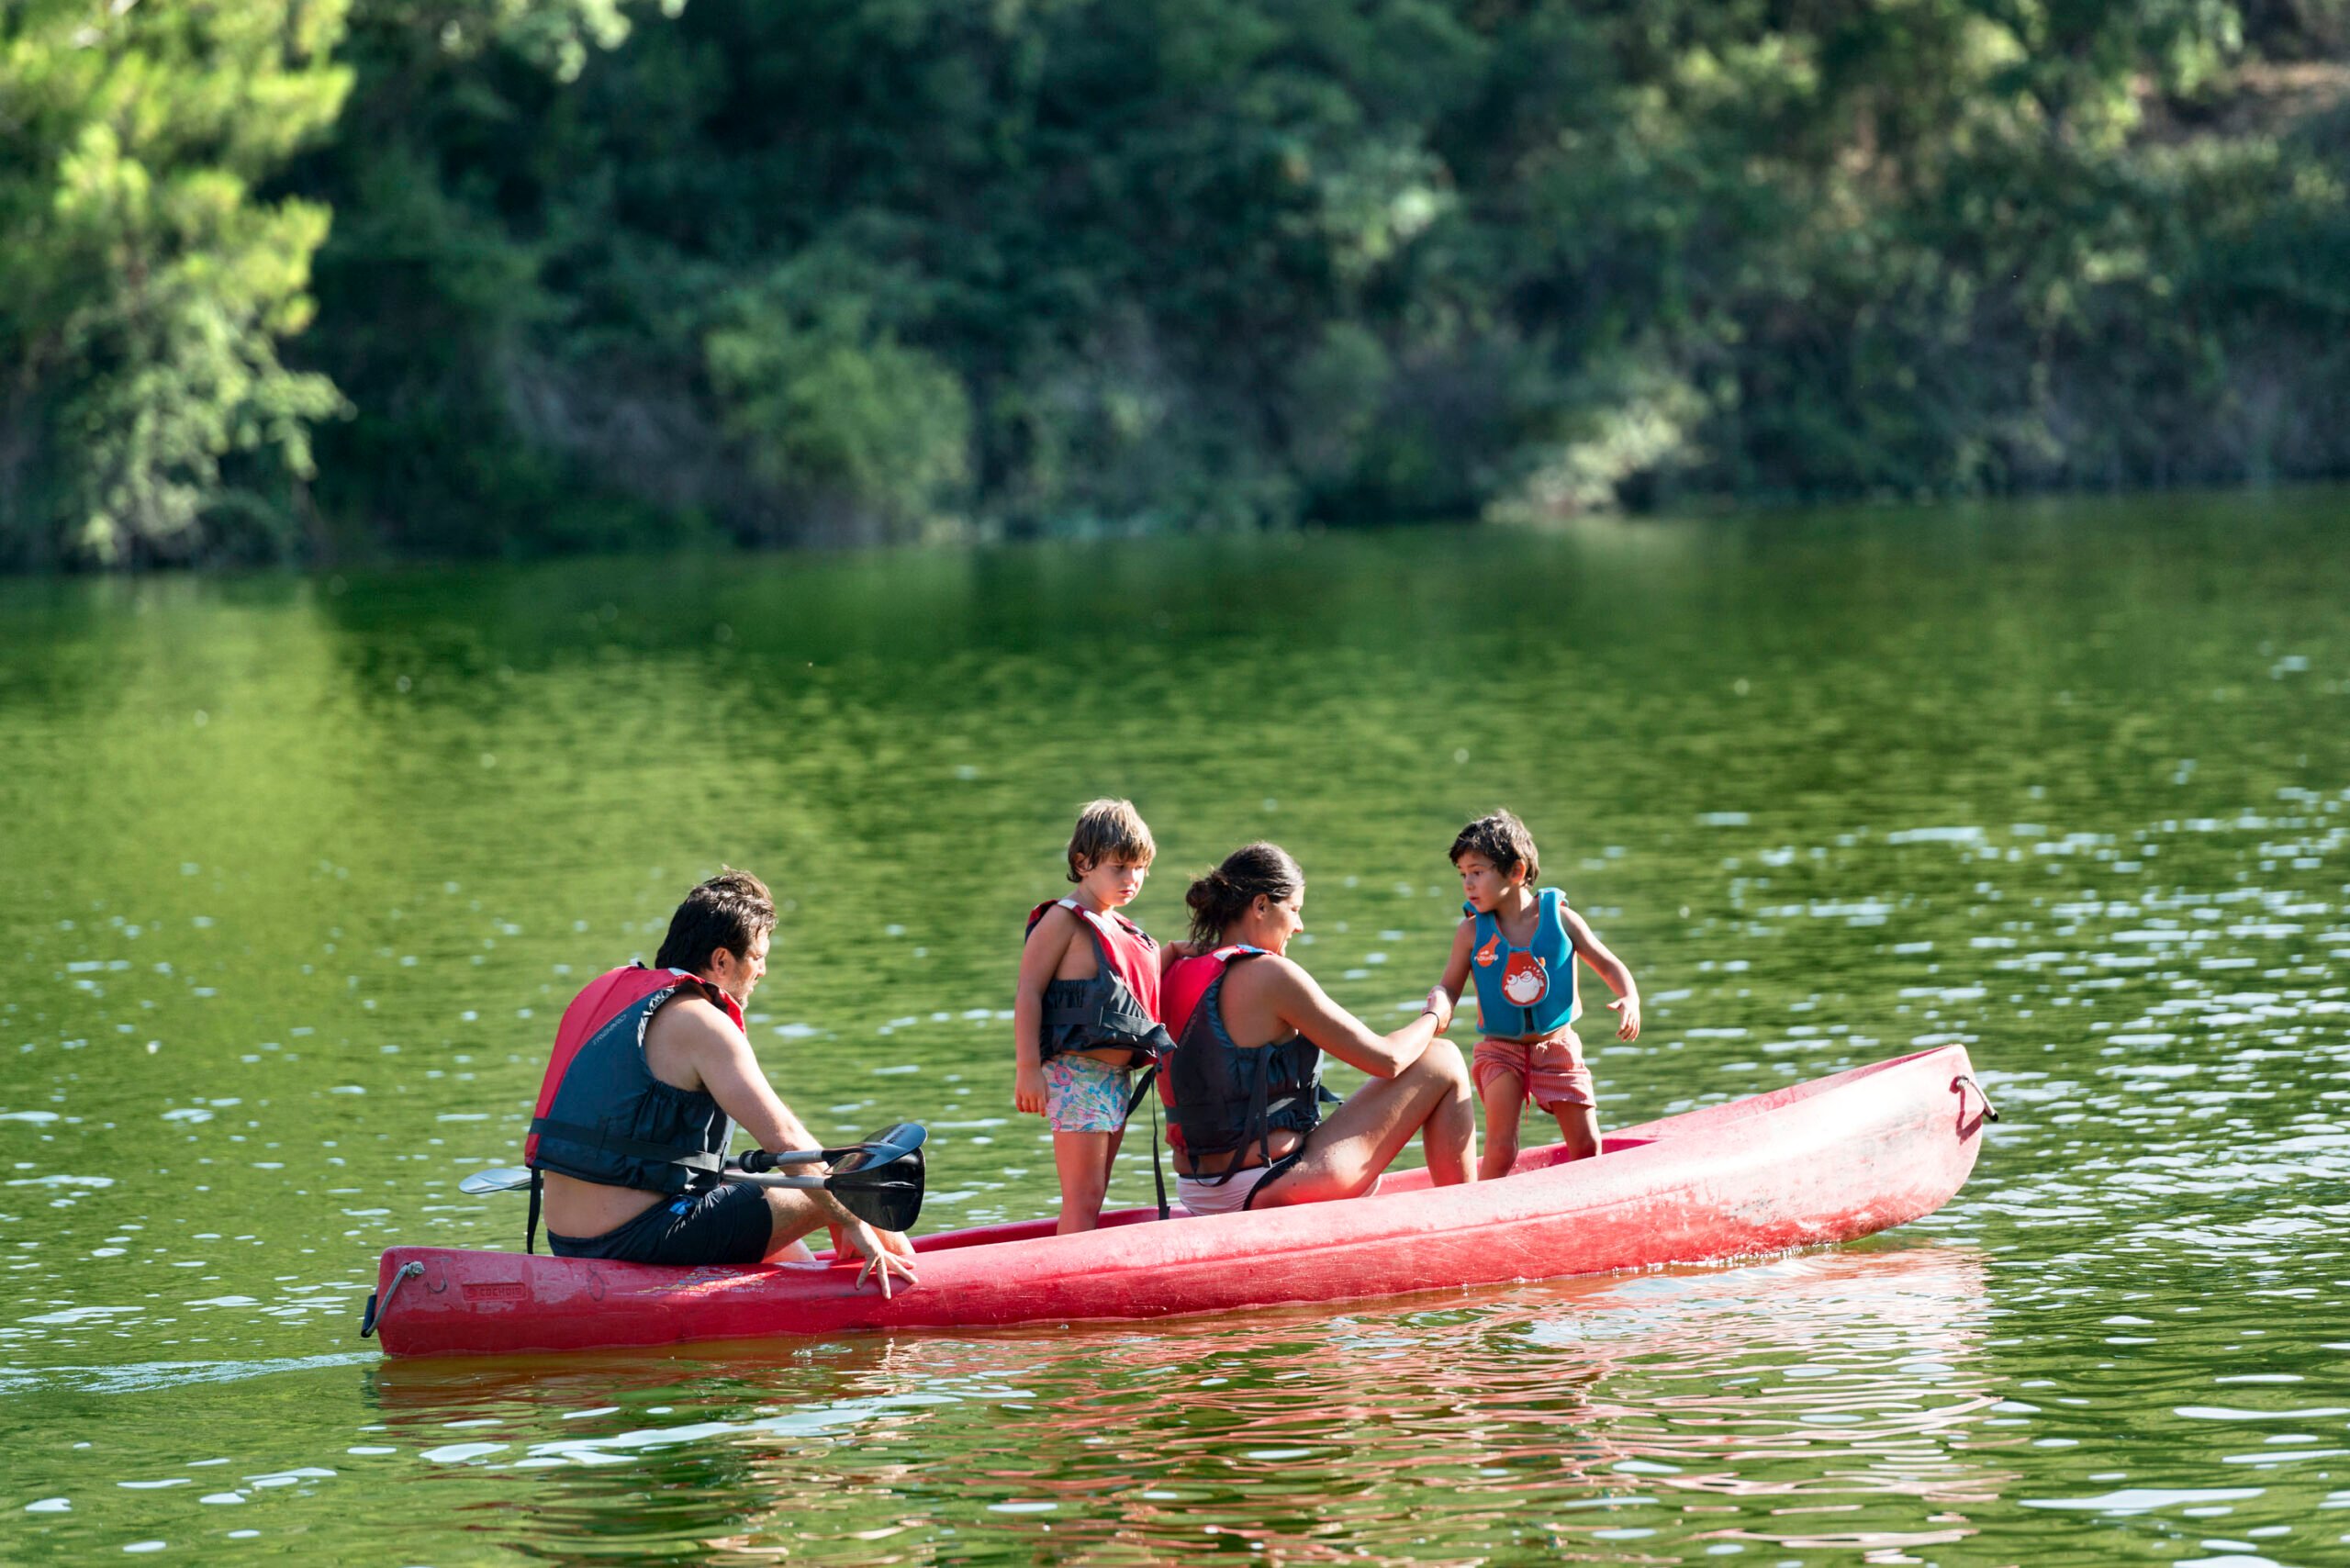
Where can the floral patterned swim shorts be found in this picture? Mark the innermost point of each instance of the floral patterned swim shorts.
(1082, 1095)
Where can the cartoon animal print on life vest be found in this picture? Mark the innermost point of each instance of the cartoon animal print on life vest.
(1525, 980)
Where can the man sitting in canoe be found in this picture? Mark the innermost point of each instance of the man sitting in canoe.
(1244, 1086)
(651, 1071)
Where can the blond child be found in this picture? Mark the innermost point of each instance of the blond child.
(1521, 942)
(1086, 1013)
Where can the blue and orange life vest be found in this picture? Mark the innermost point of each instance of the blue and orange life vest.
(1529, 990)
(1117, 1009)
(1221, 1096)
(602, 1115)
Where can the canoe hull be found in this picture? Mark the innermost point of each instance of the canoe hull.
(1825, 1162)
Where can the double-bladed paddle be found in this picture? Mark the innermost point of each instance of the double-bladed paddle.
(878, 1180)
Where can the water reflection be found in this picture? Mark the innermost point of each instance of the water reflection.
(1829, 1399)
(297, 877)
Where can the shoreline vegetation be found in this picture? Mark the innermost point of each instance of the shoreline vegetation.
(333, 280)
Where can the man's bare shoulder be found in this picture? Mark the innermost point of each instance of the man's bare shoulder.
(684, 1034)
(690, 1013)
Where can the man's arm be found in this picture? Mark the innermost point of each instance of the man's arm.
(723, 1059)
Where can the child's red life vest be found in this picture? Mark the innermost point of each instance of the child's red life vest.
(1118, 1008)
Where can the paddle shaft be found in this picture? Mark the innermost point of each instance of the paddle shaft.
(874, 1208)
(880, 1181)
(514, 1178)
(753, 1179)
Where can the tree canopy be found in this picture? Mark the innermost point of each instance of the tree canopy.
(285, 276)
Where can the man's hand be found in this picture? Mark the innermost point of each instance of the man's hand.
(895, 1240)
(1028, 1090)
(1627, 1012)
(882, 1263)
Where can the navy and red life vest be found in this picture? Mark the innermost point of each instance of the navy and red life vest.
(602, 1115)
(1117, 1009)
(1221, 1096)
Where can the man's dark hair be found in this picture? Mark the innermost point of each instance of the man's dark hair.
(731, 911)
(1503, 841)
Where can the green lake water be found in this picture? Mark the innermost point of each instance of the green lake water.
(296, 875)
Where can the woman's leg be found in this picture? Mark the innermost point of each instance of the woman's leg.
(1502, 1094)
(1345, 1155)
(1082, 1161)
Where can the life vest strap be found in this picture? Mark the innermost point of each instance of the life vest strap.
(1143, 1087)
(595, 1137)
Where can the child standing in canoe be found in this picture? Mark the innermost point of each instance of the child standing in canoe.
(1087, 1012)
(1521, 941)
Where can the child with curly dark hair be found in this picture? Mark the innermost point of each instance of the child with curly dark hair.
(1521, 941)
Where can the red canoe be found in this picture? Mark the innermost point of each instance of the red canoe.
(1829, 1160)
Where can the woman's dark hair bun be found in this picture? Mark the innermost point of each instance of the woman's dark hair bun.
(1223, 895)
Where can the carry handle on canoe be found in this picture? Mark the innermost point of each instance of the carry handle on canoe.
(1962, 1084)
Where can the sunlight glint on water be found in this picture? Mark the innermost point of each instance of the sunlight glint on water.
(300, 875)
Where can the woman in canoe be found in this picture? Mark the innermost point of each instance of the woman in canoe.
(1243, 1089)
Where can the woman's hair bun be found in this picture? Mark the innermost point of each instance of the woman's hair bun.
(1223, 895)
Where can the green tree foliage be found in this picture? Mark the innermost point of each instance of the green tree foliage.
(1234, 261)
(143, 287)
(842, 418)
(605, 274)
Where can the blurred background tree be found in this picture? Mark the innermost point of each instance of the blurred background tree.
(144, 288)
(605, 274)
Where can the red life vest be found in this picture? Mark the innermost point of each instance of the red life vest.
(601, 1116)
(1118, 1008)
(1222, 1096)
(1190, 979)
(1121, 944)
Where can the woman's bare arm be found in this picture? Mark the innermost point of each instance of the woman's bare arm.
(1456, 966)
(1302, 1005)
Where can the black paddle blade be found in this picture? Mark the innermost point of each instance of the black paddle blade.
(881, 1182)
(893, 1142)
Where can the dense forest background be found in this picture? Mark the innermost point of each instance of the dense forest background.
(322, 279)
